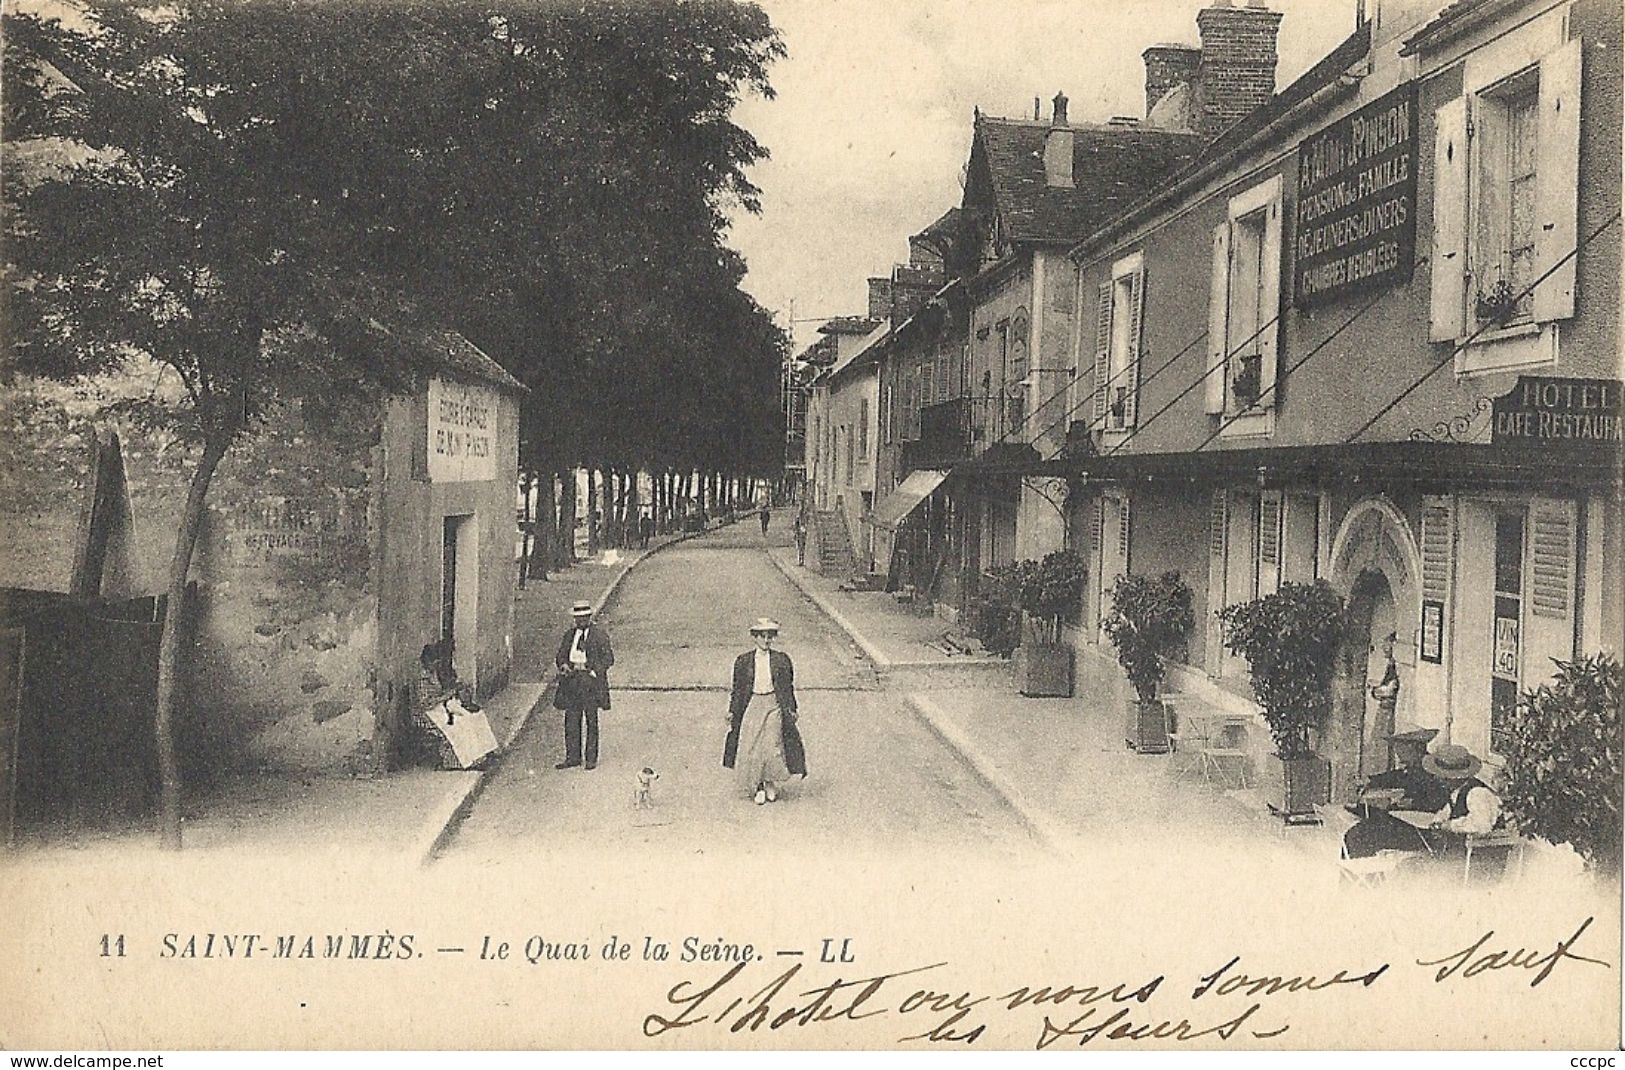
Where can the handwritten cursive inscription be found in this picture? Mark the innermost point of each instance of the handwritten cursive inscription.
(1473, 960)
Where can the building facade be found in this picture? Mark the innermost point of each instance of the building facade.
(1403, 377)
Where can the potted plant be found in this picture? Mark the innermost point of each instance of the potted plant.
(1497, 304)
(1051, 591)
(994, 617)
(1246, 385)
(1150, 620)
(1290, 640)
(1562, 761)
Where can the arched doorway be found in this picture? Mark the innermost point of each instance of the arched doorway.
(1375, 563)
(1356, 735)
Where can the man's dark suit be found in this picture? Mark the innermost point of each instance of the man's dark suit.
(784, 690)
(581, 694)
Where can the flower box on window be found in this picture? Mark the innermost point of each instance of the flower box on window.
(1247, 384)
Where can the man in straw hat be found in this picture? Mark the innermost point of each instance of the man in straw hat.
(583, 662)
(1469, 807)
(763, 745)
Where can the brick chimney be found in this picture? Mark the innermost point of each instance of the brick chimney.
(1058, 148)
(880, 298)
(1167, 68)
(1236, 72)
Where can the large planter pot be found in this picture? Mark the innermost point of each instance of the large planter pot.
(1293, 787)
(1043, 670)
(1146, 727)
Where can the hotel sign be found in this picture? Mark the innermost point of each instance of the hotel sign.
(1356, 202)
(1544, 410)
(462, 432)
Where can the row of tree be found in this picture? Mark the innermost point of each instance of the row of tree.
(245, 192)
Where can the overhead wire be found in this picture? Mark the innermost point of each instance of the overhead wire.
(1483, 328)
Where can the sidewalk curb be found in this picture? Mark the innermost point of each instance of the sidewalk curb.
(458, 801)
(1040, 825)
(1042, 828)
(825, 606)
(882, 663)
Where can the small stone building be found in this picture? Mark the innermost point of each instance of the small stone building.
(344, 533)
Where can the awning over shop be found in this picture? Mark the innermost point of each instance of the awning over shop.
(913, 490)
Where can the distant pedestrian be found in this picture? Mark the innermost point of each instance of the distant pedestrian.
(583, 662)
(801, 540)
(646, 530)
(765, 516)
(764, 745)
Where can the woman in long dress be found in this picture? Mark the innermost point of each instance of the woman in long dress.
(764, 745)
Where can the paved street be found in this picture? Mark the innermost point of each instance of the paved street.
(880, 780)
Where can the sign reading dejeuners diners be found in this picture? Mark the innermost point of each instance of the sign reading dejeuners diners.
(1356, 217)
(462, 432)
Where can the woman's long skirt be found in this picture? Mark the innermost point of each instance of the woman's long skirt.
(761, 745)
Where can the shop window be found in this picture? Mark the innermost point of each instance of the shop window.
(1244, 310)
(1120, 313)
(1506, 167)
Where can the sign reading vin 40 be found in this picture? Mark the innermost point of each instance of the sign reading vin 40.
(1356, 217)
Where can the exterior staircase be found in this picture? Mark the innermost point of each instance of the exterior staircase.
(835, 556)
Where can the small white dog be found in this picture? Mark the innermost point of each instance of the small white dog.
(643, 795)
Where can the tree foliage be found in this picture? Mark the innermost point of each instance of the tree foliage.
(1290, 640)
(1562, 760)
(1150, 620)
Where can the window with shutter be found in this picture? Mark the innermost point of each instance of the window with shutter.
(1123, 341)
(1244, 312)
(1506, 195)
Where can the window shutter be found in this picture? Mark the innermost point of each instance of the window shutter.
(1217, 318)
(1269, 283)
(1551, 559)
(1549, 601)
(1269, 543)
(1436, 549)
(1217, 534)
(1136, 327)
(1097, 536)
(1557, 181)
(1103, 351)
(1122, 532)
(1448, 266)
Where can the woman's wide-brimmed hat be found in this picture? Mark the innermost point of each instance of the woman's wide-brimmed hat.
(765, 625)
(1451, 762)
(582, 608)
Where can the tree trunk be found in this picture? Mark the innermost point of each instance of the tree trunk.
(169, 644)
(567, 518)
(634, 510)
(545, 545)
(527, 485)
(592, 512)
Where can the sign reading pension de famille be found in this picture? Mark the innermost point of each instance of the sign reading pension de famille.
(1356, 201)
(462, 432)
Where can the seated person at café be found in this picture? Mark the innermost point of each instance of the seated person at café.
(1429, 810)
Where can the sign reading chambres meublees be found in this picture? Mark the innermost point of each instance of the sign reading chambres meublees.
(1356, 201)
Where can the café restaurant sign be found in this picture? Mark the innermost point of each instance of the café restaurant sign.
(1548, 411)
(462, 432)
(1356, 201)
